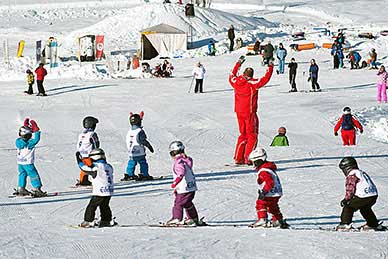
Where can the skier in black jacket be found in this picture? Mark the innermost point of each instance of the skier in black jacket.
(292, 75)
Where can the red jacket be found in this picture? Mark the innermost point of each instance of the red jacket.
(356, 123)
(246, 90)
(40, 72)
(266, 177)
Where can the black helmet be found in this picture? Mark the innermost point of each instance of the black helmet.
(347, 110)
(90, 122)
(347, 164)
(135, 119)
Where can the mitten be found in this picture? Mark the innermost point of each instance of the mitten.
(241, 60)
(335, 133)
(34, 126)
(26, 122)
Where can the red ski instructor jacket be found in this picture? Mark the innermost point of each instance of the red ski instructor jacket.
(246, 89)
(41, 72)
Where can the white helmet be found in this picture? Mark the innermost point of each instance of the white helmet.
(258, 154)
(176, 147)
(25, 132)
(97, 154)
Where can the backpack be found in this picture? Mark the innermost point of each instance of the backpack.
(347, 122)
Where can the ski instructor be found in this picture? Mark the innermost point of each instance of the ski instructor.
(245, 105)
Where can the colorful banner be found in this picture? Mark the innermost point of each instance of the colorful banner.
(54, 52)
(38, 51)
(20, 48)
(99, 46)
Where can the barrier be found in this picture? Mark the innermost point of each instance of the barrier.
(327, 45)
(305, 46)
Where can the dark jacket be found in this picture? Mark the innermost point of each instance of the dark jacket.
(268, 51)
(314, 71)
(231, 34)
(293, 67)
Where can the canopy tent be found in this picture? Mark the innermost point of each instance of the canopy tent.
(161, 40)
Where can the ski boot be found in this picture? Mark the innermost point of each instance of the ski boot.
(281, 223)
(174, 222)
(344, 227)
(195, 222)
(87, 224)
(128, 178)
(21, 191)
(261, 223)
(379, 227)
(143, 177)
(38, 193)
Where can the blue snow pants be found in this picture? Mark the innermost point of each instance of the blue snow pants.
(281, 66)
(30, 171)
(132, 165)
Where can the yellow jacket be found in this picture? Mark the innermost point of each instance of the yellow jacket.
(30, 78)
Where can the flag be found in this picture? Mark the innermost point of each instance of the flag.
(99, 46)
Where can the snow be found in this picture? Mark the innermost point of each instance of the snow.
(313, 185)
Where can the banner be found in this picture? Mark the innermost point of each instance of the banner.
(99, 46)
(5, 55)
(38, 51)
(20, 48)
(54, 52)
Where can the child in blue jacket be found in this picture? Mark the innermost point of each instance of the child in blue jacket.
(25, 146)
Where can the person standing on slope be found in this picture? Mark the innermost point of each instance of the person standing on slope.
(313, 71)
(245, 105)
(268, 53)
(231, 37)
(281, 54)
(293, 66)
(40, 72)
(382, 82)
(361, 194)
(348, 123)
(199, 74)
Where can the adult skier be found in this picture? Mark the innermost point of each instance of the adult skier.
(281, 54)
(199, 74)
(136, 143)
(348, 124)
(87, 141)
(268, 53)
(245, 105)
(270, 191)
(101, 173)
(231, 37)
(361, 194)
(293, 66)
(25, 146)
(40, 72)
(313, 71)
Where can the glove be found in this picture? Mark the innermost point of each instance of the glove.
(309, 79)
(34, 126)
(261, 194)
(151, 148)
(78, 157)
(361, 131)
(344, 202)
(241, 60)
(173, 185)
(176, 182)
(335, 133)
(26, 122)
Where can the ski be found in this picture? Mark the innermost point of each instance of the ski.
(49, 194)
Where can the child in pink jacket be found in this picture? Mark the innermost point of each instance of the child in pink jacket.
(382, 80)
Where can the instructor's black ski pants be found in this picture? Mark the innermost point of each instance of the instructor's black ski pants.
(103, 203)
(365, 207)
(40, 86)
(198, 86)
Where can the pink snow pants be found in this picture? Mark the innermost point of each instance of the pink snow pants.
(381, 93)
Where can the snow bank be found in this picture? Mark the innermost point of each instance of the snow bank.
(376, 120)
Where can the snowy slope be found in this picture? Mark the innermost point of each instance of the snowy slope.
(206, 123)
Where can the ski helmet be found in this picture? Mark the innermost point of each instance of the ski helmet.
(282, 130)
(347, 110)
(258, 154)
(25, 132)
(176, 147)
(90, 122)
(347, 164)
(135, 119)
(97, 154)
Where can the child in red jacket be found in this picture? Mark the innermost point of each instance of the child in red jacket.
(348, 123)
(270, 191)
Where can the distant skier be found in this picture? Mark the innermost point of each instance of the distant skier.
(245, 105)
(211, 46)
(270, 191)
(382, 82)
(348, 123)
(136, 143)
(101, 173)
(87, 141)
(257, 47)
(184, 186)
(313, 71)
(373, 59)
(354, 58)
(337, 53)
(281, 54)
(268, 53)
(361, 194)
(25, 146)
(231, 37)
(293, 66)
(199, 74)
(40, 72)
(280, 139)
(30, 81)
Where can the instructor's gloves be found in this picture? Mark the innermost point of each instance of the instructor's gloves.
(361, 131)
(34, 126)
(241, 60)
(261, 194)
(335, 133)
(344, 202)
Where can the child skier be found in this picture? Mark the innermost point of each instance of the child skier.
(87, 141)
(101, 173)
(25, 146)
(30, 81)
(136, 142)
(184, 186)
(348, 123)
(280, 139)
(382, 81)
(361, 194)
(270, 191)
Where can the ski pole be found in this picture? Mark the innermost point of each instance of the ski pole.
(191, 85)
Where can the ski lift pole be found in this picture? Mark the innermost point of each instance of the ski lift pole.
(191, 84)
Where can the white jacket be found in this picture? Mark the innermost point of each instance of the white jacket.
(199, 72)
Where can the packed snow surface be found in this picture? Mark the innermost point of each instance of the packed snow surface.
(312, 182)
